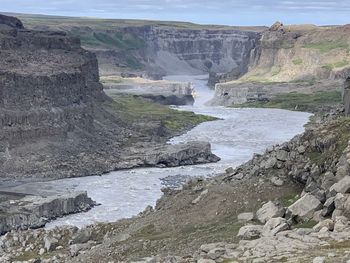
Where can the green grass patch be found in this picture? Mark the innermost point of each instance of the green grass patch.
(297, 101)
(297, 61)
(306, 224)
(327, 46)
(289, 199)
(142, 113)
(328, 67)
(341, 64)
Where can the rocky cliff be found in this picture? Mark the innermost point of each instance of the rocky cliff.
(303, 52)
(54, 115)
(303, 58)
(154, 48)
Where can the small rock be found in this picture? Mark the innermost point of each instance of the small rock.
(277, 181)
(301, 149)
(229, 171)
(319, 260)
(200, 197)
(250, 232)
(50, 243)
(328, 224)
(42, 251)
(282, 155)
(245, 217)
(274, 226)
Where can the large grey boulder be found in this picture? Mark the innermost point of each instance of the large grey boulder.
(305, 207)
(343, 186)
(268, 211)
(250, 232)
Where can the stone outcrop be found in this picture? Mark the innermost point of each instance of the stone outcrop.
(34, 211)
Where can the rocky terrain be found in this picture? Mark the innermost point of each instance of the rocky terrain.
(154, 49)
(289, 204)
(301, 58)
(56, 122)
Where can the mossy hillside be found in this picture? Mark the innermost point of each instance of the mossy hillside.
(297, 101)
(327, 46)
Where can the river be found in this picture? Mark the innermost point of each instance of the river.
(234, 138)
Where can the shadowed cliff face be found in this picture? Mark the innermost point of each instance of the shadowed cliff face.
(156, 49)
(180, 51)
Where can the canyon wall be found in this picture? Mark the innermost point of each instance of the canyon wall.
(154, 49)
(55, 119)
(302, 58)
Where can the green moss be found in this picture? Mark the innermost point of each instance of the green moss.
(341, 64)
(306, 224)
(328, 67)
(327, 46)
(297, 61)
(297, 101)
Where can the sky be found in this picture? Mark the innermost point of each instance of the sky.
(224, 12)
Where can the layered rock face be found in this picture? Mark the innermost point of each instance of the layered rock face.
(289, 53)
(187, 50)
(55, 119)
(171, 50)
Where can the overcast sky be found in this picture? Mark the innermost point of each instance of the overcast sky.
(230, 12)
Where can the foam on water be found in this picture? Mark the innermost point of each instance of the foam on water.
(235, 138)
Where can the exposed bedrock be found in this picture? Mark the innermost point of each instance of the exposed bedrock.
(22, 211)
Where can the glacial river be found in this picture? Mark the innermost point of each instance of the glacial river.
(235, 138)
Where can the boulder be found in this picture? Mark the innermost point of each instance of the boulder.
(277, 181)
(328, 207)
(50, 243)
(305, 207)
(343, 186)
(270, 163)
(245, 217)
(250, 232)
(200, 197)
(328, 223)
(82, 236)
(282, 155)
(268, 211)
(274, 226)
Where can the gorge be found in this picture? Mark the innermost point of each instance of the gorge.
(196, 183)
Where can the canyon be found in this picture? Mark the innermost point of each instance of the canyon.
(267, 200)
